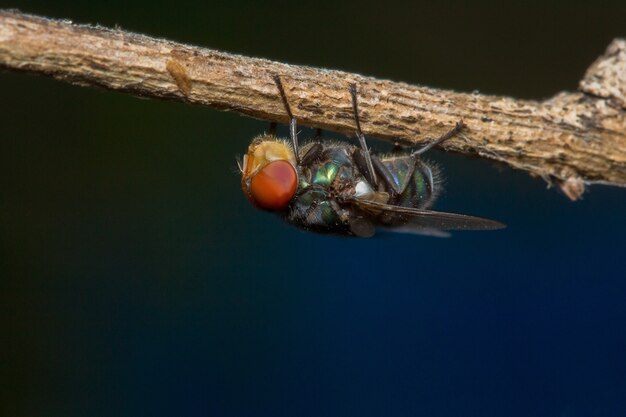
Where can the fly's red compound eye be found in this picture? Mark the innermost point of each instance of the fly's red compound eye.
(273, 187)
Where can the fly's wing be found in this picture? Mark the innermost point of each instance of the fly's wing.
(426, 221)
(416, 229)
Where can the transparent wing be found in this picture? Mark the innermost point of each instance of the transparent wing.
(416, 229)
(423, 220)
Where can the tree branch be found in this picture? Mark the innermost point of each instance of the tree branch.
(573, 138)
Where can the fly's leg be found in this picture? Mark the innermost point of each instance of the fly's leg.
(361, 163)
(312, 155)
(292, 120)
(314, 152)
(271, 131)
(450, 133)
(365, 154)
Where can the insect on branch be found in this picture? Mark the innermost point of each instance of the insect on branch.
(572, 139)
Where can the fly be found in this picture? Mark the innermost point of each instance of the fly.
(344, 189)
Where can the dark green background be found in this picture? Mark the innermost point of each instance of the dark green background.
(137, 280)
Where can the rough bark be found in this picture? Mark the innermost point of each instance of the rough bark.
(574, 138)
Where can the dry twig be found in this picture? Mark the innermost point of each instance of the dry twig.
(574, 138)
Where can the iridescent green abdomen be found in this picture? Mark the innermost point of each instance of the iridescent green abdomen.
(414, 178)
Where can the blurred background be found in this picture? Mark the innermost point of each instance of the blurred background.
(137, 280)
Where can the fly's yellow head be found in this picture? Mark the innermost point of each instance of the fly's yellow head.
(268, 173)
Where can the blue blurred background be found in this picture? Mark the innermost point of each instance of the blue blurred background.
(137, 280)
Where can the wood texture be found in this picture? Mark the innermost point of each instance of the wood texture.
(572, 139)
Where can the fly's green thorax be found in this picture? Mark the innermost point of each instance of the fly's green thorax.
(313, 205)
(325, 174)
(334, 162)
